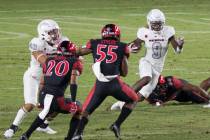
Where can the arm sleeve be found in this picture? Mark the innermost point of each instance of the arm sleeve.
(73, 90)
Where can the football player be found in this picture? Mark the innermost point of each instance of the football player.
(110, 62)
(156, 37)
(172, 88)
(49, 36)
(58, 72)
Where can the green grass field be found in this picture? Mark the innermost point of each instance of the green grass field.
(82, 20)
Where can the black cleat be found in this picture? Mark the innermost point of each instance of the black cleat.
(116, 130)
(24, 137)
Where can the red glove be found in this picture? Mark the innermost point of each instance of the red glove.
(71, 48)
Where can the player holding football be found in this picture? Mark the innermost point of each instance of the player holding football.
(110, 62)
(58, 71)
(156, 37)
(46, 43)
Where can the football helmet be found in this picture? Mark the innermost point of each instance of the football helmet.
(155, 20)
(66, 48)
(49, 31)
(110, 31)
(161, 79)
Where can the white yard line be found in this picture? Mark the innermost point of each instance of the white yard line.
(97, 8)
(207, 19)
(168, 13)
(15, 35)
(15, 23)
(60, 17)
(188, 21)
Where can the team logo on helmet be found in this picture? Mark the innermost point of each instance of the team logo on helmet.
(110, 31)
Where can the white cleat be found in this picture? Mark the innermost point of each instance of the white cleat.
(9, 133)
(47, 130)
(206, 106)
(117, 106)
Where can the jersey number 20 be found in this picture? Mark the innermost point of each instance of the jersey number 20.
(57, 68)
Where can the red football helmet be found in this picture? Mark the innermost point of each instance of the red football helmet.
(66, 48)
(161, 80)
(110, 31)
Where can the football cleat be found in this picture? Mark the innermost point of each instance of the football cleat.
(116, 130)
(9, 133)
(47, 130)
(24, 137)
(206, 106)
(117, 106)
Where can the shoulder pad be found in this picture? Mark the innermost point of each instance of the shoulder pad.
(170, 31)
(141, 33)
(36, 44)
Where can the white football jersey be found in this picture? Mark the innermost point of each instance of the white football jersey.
(156, 44)
(37, 44)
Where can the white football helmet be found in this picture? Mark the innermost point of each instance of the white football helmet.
(155, 20)
(49, 31)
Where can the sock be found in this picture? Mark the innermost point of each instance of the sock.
(14, 127)
(37, 122)
(73, 127)
(123, 115)
(82, 125)
(21, 114)
(44, 125)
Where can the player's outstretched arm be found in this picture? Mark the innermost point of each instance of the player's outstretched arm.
(205, 84)
(195, 89)
(39, 56)
(177, 44)
(80, 51)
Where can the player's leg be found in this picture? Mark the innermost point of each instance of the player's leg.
(129, 96)
(147, 89)
(30, 89)
(66, 106)
(94, 99)
(145, 71)
(74, 123)
(145, 75)
(48, 101)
